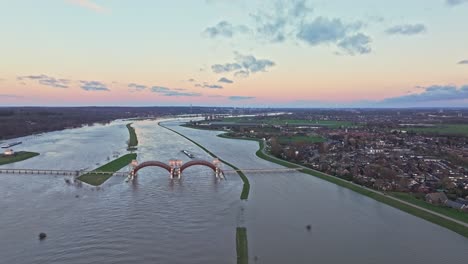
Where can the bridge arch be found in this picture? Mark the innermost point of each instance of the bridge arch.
(198, 162)
(152, 164)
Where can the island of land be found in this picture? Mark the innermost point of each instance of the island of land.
(16, 157)
(103, 173)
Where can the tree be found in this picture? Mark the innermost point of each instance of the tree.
(275, 147)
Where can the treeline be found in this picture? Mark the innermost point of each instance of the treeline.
(24, 121)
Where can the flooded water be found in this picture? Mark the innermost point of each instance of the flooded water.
(194, 220)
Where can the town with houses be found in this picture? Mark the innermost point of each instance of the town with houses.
(422, 152)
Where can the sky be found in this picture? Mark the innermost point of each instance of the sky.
(242, 53)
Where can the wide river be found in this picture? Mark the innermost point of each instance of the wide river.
(194, 220)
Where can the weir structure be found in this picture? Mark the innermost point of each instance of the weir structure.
(176, 167)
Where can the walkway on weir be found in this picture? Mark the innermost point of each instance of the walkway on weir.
(78, 173)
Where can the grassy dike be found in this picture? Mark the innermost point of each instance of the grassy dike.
(450, 212)
(19, 156)
(95, 178)
(456, 227)
(246, 186)
(242, 246)
(133, 141)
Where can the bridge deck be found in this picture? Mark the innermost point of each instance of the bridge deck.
(78, 173)
(57, 172)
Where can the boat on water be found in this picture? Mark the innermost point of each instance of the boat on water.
(190, 155)
(11, 144)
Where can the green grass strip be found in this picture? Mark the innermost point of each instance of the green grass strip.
(442, 129)
(97, 179)
(18, 156)
(246, 185)
(450, 212)
(133, 141)
(260, 153)
(242, 246)
(456, 227)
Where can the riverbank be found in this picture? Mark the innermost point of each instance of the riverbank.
(450, 212)
(435, 217)
(18, 156)
(133, 141)
(246, 186)
(111, 167)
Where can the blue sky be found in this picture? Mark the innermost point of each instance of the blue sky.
(241, 53)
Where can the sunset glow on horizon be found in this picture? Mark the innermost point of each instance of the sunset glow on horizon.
(285, 53)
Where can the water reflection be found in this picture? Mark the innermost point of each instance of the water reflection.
(134, 184)
(175, 182)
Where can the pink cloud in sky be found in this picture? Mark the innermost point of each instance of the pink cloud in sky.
(89, 5)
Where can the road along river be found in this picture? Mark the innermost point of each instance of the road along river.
(194, 220)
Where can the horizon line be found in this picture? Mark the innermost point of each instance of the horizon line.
(204, 106)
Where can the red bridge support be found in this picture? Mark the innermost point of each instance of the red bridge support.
(175, 167)
(198, 162)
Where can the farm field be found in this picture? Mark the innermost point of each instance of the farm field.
(447, 129)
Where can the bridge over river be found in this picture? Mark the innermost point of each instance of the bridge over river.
(174, 167)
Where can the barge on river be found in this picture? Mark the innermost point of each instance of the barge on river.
(11, 144)
(190, 155)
